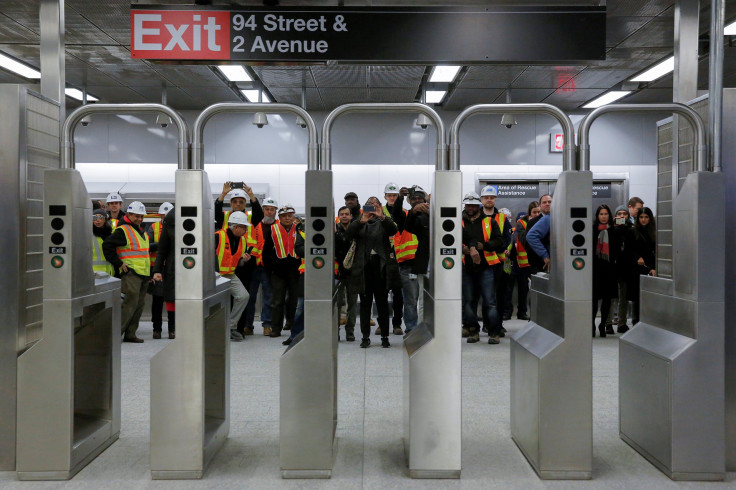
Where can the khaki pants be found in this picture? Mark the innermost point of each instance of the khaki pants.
(134, 288)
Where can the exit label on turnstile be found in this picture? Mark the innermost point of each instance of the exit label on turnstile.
(57, 262)
(318, 262)
(578, 264)
(448, 263)
(188, 262)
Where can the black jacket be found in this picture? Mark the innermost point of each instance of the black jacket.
(342, 246)
(286, 267)
(165, 260)
(473, 233)
(418, 224)
(376, 232)
(115, 240)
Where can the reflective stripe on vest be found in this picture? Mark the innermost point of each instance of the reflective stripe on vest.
(156, 228)
(135, 252)
(114, 223)
(407, 250)
(301, 266)
(521, 257)
(225, 220)
(283, 240)
(491, 257)
(501, 220)
(226, 261)
(256, 241)
(98, 258)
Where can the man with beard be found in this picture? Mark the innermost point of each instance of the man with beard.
(482, 242)
(351, 201)
(259, 275)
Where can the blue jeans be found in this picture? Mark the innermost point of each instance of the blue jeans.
(298, 326)
(260, 277)
(410, 289)
(480, 284)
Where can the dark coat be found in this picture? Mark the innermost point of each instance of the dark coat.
(605, 273)
(380, 230)
(165, 261)
(418, 224)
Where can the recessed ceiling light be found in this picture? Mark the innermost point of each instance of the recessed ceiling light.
(445, 73)
(730, 29)
(235, 73)
(252, 95)
(18, 68)
(606, 98)
(657, 71)
(75, 93)
(434, 96)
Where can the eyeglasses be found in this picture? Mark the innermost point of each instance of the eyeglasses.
(97, 217)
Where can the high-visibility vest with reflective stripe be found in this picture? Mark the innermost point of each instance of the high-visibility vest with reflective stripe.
(98, 258)
(283, 240)
(301, 266)
(135, 252)
(408, 248)
(226, 217)
(521, 257)
(254, 241)
(491, 257)
(396, 238)
(156, 228)
(114, 223)
(226, 260)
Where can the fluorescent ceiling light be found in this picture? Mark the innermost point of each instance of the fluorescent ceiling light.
(235, 73)
(657, 71)
(434, 96)
(606, 98)
(444, 74)
(252, 95)
(730, 29)
(18, 68)
(75, 93)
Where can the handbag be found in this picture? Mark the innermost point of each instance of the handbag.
(347, 263)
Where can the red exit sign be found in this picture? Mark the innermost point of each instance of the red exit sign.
(180, 34)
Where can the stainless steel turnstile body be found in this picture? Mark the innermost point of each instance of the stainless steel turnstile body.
(432, 364)
(308, 367)
(190, 377)
(551, 357)
(671, 365)
(69, 380)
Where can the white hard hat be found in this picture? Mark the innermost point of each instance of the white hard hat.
(417, 188)
(238, 193)
(114, 197)
(471, 198)
(391, 188)
(270, 201)
(136, 207)
(287, 208)
(489, 190)
(238, 218)
(165, 208)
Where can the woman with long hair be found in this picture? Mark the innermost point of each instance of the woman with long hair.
(643, 251)
(605, 252)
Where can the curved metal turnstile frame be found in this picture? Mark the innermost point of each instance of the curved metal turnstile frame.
(432, 364)
(671, 364)
(551, 357)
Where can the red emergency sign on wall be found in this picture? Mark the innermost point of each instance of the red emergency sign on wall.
(180, 34)
(556, 142)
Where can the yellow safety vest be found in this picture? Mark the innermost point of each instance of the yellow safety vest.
(98, 258)
(491, 257)
(135, 252)
(521, 257)
(301, 266)
(226, 261)
(156, 228)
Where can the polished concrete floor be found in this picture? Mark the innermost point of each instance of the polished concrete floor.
(370, 453)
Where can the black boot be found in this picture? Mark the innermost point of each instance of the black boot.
(602, 330)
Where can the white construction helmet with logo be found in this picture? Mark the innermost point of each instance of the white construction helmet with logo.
(489, 190)
(471, 198)
(136, 207)
(114, 197)
(238, 218)
(270, 201)
(391, 188)
(165, 208)
(287, 208)
(238, 193)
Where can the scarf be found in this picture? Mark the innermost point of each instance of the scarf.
(601, 248)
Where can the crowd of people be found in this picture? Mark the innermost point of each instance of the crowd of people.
(382, 252)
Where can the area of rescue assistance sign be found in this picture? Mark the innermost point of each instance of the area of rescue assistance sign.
(388, 35)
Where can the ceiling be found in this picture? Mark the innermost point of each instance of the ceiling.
(638, 33)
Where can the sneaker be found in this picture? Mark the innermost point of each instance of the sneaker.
(156, 335)
(133, 339)
(523, 316)
(350, 337)
(235, 336)
(398, 331)
(622, 328)
(609, 329)
(466, 333)
(493, 340)
(472, 339)
(365, 343)
(266, 331)
(248, 331)
(172, 335)
(286, 342)
(274, 334)
(385, 343)
(373, 322)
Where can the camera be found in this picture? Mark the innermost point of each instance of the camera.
(620, 221)
(86, 120)
(368, 208)
(237, 185)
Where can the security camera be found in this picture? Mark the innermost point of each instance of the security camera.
(259, 126)
(423, 126)
(423, 121)
(163, 120)
(509, 126)
(508, 120)
(86, 120)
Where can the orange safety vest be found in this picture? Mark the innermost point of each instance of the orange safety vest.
(135, 252)
(301, 266)
(256, 241)
(283, 240)
(491, 257)
(156, 228)
(521, 257)
(226, 260)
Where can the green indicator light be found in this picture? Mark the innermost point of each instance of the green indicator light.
(57, 262)
(448, 263)
(318, 262)
(578, 264)
(188, 262)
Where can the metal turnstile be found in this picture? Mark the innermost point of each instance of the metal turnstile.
(551, 357)
(69, 380)
(309, 365)
(190, 377)
(432, 363)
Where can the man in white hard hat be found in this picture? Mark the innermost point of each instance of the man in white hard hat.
(114, 203)
(261, 276)
(157, 288)
(230, 250)
(280, 259)
(127, 250)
